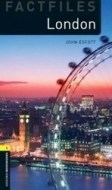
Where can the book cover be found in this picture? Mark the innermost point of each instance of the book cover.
(55, 94)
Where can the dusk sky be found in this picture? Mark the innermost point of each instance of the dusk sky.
(30, 65)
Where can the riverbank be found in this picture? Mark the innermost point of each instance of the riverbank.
(68, 166)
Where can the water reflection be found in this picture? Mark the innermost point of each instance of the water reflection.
(23, 178)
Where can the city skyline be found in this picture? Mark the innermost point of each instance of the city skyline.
(30, 65)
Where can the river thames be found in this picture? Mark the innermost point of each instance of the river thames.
(26, 178)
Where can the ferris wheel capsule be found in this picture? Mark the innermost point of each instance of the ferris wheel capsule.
(72, 65)
(87, 50)
(60, 81)
(104, 39)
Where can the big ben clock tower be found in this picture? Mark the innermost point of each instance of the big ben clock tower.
(24, 133)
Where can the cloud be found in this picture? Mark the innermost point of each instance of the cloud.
(2, 83)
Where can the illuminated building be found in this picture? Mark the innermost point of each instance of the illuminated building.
(20, 143)
(105, 112)
(85, 146)
(106, 150)
(87, 101)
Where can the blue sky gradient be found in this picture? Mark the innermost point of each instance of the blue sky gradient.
(41, 60)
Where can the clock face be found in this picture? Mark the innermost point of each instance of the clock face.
(27, 116)
(21, 120)
(27, 120)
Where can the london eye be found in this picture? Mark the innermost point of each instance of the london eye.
(67, 90)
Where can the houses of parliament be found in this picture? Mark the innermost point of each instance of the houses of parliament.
(21, 142)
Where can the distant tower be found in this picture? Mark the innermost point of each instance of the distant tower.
(68, 110)
(24, 133)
